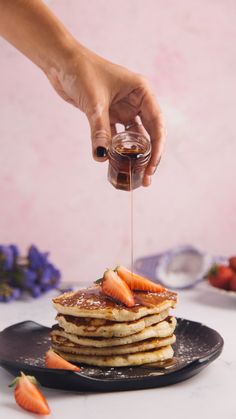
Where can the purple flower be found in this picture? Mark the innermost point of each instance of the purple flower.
(49, 278)
(33, 273)
(47, 287)
(16, 293)
(46, 275)
(6, 258)
(15, 252)
(8, 293)
(55, 274)
(35, 291)
(29, 277)
(37, 259)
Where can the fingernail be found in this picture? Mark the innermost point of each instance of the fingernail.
(147, 180)
(101, 151)
(153, 169)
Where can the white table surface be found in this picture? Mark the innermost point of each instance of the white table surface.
(209, 394)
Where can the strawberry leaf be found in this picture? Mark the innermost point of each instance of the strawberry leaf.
(31, 378)
(98, 281)
(14, 382)
(213, 271)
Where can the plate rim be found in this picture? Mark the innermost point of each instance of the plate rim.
(160, 380)
(221, 291)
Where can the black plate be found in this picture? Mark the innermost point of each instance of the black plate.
(23, 345)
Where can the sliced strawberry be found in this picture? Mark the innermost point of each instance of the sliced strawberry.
(53, 360)
(28, 396)
(137, 282)
(115, 287)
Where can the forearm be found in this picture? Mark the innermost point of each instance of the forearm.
(107, 93)
(34, 30)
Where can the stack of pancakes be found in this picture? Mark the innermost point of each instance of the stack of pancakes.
(94, 329)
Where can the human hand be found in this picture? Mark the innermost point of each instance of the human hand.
(109, 94)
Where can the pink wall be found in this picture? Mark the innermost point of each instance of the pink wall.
(54, 195)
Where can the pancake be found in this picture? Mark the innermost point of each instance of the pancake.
(65, 345)
(107, 328)
(163, 329)
(92, 302)
(139, 358)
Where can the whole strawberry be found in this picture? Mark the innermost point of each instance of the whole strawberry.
(220, 275)
(232, 263)
(232, 283)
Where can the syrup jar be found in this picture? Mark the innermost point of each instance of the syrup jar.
(129, 154)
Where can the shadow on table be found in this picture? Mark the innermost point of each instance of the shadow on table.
(222, 301)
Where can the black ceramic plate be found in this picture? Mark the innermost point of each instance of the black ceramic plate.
(23, 345)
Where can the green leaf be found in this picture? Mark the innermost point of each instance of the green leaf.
(98, 281)
(14, 382)
(31, 378)
(213, 271)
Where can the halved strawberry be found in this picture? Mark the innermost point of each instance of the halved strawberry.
(28, 396)
(115, 287)
(53, 360)
(137, 282)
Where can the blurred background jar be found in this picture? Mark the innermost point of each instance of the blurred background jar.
(129, 154)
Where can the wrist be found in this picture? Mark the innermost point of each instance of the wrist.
(60, 54)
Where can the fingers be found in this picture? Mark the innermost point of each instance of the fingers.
(147, 180)
(153, 122)
(113, 130)
(135, 125)
(100, 132)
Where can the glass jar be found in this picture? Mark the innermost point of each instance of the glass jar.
(129, 154)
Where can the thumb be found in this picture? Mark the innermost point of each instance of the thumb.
(100, 133)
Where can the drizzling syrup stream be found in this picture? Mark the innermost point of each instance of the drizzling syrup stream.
(125, 173)
(131, 217)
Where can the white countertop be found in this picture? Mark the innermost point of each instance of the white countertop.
(209, 394)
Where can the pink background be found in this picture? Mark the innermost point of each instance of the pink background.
(53, 193)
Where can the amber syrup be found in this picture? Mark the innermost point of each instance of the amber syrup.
(131, 217)
(132, 154)
(129, 154)
(126, 161)
(163, 365)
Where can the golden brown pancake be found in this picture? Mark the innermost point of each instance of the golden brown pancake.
(62, 344)
(159, 330)
(93, 303)
(125, 360)
(87, 326)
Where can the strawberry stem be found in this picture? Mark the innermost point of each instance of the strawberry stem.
(31, 378)
(212, 271)
(98, 281)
